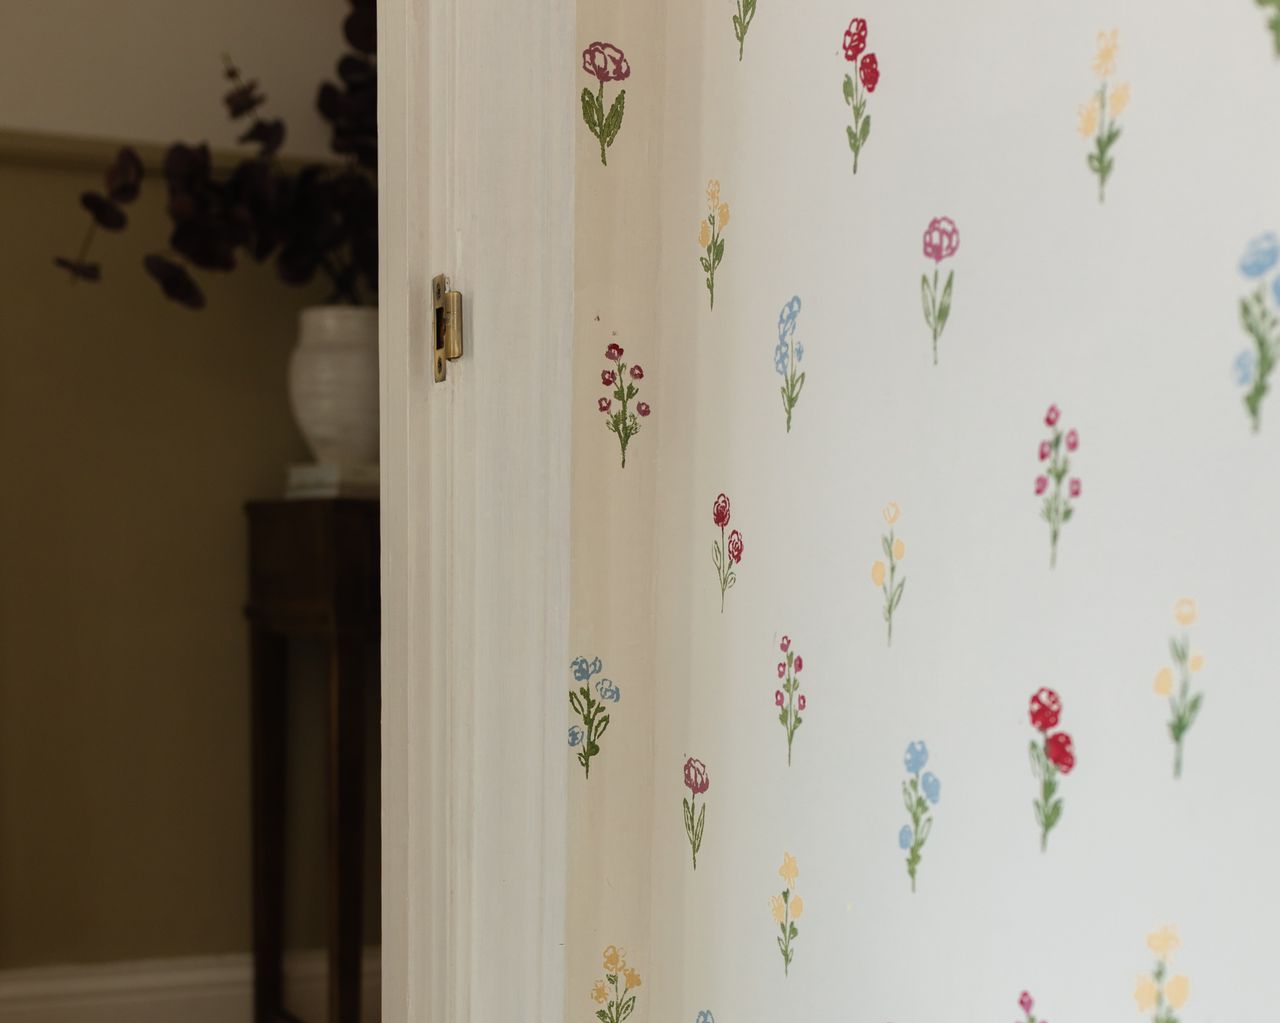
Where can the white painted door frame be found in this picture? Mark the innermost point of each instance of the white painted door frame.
(476, 108)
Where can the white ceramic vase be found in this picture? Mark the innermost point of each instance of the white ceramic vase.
(333, 383)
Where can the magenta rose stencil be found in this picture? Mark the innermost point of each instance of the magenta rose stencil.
(697, 781)
(1026, 1003)
(860, 82)
(606, 63)
(1054, 486)
(789, 700)
(726, 553)
(623, 384)
(1052, 756)
(941, 241)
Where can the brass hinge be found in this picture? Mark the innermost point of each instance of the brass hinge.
(448, 324)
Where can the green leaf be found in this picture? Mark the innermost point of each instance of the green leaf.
(1193, 708)
(848, 97)
(897, 595)
(716, 555)
(602, 1016)
(613, 122)
(864, 131)
(719, 251)
(1037, 759)
(793, 934)
(907, 798)
(853, 139)
(702, 823)
(926, 299)
(706, 265)
(576, 704)
(925, 829)
(944, 307)
(589, 112)
(603, 723)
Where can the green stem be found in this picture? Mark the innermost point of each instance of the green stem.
(600, 107)
(1102, 157)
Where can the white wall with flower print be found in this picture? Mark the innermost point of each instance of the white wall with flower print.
(1125, 315)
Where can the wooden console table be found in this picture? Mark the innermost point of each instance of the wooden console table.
(313, 573)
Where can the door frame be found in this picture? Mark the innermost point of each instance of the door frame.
(476, 179)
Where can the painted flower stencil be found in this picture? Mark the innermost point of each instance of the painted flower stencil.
(1261, 322)
(1273, 22)
(787, 907)
(709, 239)
(941, 241)
(1098, 117)
(1051, 756)
(616, 992)
(887, 577)
(1157, 992)
(1184, 705)
(623, 385)
(1057, 507)
(697, 781)
(585, 738)
(787, 355)
(789, 700)
(859, 83)
(726, 553)
(919, 793)
(746, 11)
(1026, 1003)
(606, 63)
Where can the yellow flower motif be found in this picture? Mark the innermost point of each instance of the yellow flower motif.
(1120, 99)
(877, 573)
(899, 550)
(614, 959)
(600, 993)
(722, 214)
(713, 194)
(1104, 63)
(1164, 682)
(1196, 662)
(891, 512)
(1176, 991)
(797, 907)
(633, 978)
(778, 907)
(1184, 611)
(1087, 122)
(789, 871)
(704, 234)
(1145, 994)
(1163, 941)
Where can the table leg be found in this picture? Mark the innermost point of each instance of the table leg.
(268, 688)
(346, 827)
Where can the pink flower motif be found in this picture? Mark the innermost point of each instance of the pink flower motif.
(778, 698)
(1044, 450)
(643, 409)
(637, 373)
(1075, 488)
(855, 39)
(1042, 484)
(1073, 440)
(782, 669)
(869, 72)
(941, 239)
(720, 512)
(696, 779)
(785, 645)
(603, 404)
(608, 378)
(614, 352)
(735, 551)
(799, 663)
(802, 701)
(1025, 1002)
(1051, 417)
(606, 62)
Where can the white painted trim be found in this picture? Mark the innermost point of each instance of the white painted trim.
(199, 989)
(477, 181)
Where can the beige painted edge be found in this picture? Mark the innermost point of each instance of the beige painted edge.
(80, 153)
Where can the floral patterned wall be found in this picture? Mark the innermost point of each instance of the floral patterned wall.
(924, 512)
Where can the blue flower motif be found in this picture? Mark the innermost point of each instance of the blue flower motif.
(932, 787)
(705, 1017)
(575, 736)
(780, 359)
(584, 669)
(905, 837)
(787, 319)
(917, 756)
(1246, 365)
(799, 352)
(608, 690)
(1262, 254)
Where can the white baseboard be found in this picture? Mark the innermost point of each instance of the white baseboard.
(201, 989)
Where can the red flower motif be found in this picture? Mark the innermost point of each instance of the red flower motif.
(1060, 752)
(785, 645)
(1042, 484)
(1075, 488)
(941, 239)
(614, 352)
(799, 664)
(637, 373)
(778, 698)
(720, 512)
(606, 62)
(603, 404)
(735, 552)
(695, 776)
(1073, 440)
(855, 39)
(1051, 417)
(1044, 450)
(802, 701)
(643, 408)
(1046, 706)
(782, 669)
(869, 71)
(1025, 1002)
(608, 378)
